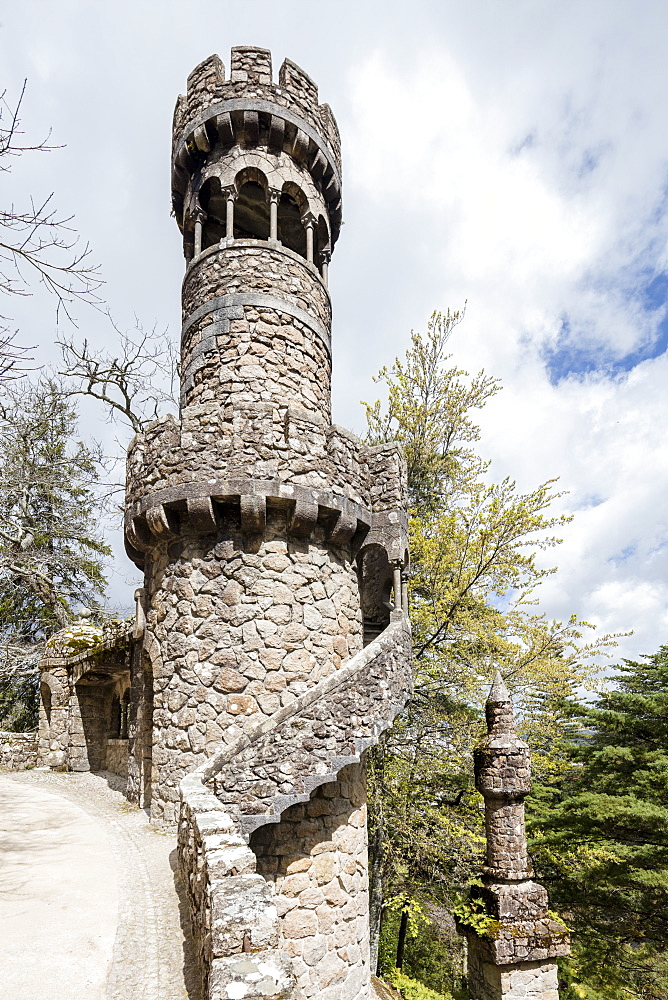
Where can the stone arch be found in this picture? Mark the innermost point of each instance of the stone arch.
(251, 208)
(375, 582)
(323, 241)
(57, 691)
(53, 713)
(214, 205)
(293, 205)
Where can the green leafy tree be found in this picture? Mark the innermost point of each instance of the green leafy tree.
(51, 551)
(474, 574)
(601, 836)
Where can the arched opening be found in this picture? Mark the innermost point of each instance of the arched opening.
(375, 581)
(214, 204)
(291, 231)
(45, 693)
(251, 208)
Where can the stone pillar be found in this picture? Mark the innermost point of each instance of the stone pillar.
(199, 222)
(230, 193)
(404, 591)
(515, 959)
(274, 196)
(309, 225)
(325, 257)
(396, 585)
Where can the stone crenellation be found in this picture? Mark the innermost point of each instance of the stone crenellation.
(515, 959)
(248, 109)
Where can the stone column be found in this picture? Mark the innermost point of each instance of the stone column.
(230, 193)
(274, 196)
(515, 958)
(199, 222)
(396, 585)
(308, 221)
(404, 591)
(325, 257)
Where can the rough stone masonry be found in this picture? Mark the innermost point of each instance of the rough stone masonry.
(271, 645)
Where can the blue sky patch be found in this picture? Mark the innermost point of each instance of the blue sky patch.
(566, 357)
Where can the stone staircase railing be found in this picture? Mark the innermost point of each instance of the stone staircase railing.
(275, 765)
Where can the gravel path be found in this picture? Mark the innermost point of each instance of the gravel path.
(130, 945)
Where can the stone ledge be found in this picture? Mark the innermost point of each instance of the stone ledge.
(154, 517)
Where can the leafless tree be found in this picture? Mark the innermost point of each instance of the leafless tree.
(37, 245)
(135, 382)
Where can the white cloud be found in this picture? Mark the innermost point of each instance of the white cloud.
(513, 154)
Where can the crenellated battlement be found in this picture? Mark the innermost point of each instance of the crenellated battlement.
(248, 109)
(291, 458)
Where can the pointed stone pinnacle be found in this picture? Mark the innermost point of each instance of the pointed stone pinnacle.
(498, 693)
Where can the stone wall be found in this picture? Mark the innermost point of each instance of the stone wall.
(117, 757)
(241, 634)
(316, 860)
(257, 321)
(292, 912)
(18, 750)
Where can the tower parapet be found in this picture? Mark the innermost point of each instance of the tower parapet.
(515, 958)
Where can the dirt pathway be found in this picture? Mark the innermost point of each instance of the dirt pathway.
(89, 906)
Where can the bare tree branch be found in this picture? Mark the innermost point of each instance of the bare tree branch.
(129, 382)
(37, 245)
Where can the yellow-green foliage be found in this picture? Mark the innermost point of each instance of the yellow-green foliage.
(411, 989)
(472, 913)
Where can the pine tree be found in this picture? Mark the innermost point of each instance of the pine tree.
(601, 836)
(51, 550)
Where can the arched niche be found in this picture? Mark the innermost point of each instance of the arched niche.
(375, 582)
(45, 695)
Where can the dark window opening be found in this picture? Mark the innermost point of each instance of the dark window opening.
(291, 231)
(251, 213)
(115, 726)
(45, 692)
(125, 715)
(214, 203)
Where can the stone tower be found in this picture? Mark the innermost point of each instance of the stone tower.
(275, 643)
(516, 958)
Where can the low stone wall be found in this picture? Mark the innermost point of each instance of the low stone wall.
(117, 757)
(243, 920)
(18, 751)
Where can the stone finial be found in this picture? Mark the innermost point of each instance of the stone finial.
(498, 693)
(499, 709)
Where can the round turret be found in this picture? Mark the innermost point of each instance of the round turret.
(256, 190)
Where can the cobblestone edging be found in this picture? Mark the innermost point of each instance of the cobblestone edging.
(18, 751)
(236, 924)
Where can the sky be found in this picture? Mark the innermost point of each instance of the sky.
(509, 154)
